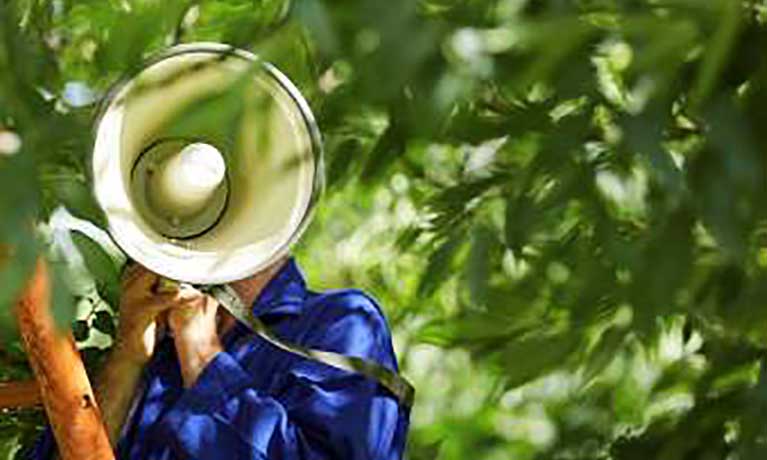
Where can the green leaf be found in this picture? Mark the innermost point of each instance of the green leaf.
(482, 333)
(440, 264)
(389, 147)
(520, 218)
(15, 271)
(719, 50)
(216, 115)
(9, 446)
(316, 18)
(477, 269)
(104, 270)
(342, 162)
(526, 359)
(62, 297)
(604, 353)
(70, 189)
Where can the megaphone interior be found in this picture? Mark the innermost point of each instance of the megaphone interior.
(207, 164)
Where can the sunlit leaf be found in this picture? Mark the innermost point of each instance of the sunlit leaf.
(101, 266)
(440, 264)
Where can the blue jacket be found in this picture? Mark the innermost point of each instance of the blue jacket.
(254, 401)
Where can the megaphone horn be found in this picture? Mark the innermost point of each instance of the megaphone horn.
(207, 163)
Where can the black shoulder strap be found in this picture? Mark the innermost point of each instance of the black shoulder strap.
(393, 382)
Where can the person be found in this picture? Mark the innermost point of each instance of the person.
(185, 380)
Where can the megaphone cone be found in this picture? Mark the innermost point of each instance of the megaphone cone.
(207, 164)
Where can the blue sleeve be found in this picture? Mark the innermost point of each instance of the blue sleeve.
(43, 448)
(315, 412)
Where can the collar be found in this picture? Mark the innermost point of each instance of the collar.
(284, 294)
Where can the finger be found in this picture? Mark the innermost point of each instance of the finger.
(182, 313)
(190, 302)
(160, 300)
(187, 291)
(143, 280)
(211, 305)
(160, 303)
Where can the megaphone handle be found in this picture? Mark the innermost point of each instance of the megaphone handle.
(392, 381)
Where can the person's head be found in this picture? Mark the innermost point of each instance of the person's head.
(248, 288)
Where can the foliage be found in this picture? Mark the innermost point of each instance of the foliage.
(559, 204)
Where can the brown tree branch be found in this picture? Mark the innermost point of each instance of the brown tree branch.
(64, 387)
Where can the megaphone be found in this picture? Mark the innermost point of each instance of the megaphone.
(207, 163)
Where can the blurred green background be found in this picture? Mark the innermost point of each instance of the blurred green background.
(561, 205)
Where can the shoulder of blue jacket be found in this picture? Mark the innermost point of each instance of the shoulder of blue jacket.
(350, 321)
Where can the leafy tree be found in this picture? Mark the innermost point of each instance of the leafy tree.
(560, 204)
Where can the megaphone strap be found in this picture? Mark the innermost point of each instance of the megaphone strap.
(393, 382)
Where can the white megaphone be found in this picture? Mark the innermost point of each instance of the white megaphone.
(207, 164)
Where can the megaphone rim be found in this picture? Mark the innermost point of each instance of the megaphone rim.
(315, 136)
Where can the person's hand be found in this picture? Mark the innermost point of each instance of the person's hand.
(141, 306)
(197, 327)
(194, 325)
